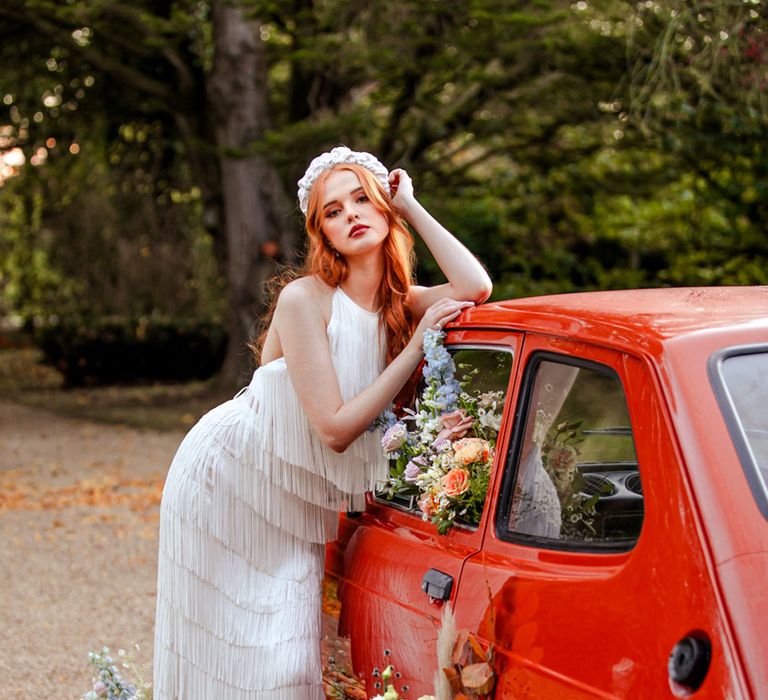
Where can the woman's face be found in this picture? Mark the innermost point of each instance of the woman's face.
(352, 224)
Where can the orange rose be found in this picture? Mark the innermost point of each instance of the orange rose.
(428, 504)
(455, 482)
(469, 450)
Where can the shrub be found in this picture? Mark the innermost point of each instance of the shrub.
(114, 350)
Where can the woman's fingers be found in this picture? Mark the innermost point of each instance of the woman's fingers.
(444, 311)
(438, 315)
(400, 184)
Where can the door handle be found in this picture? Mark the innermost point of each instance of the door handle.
(437, 585)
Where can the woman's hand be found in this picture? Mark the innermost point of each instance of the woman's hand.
(401, 186)
(467, 279)
(437, 316)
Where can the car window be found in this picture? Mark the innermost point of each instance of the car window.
(744, 378)
(573, 479)
(483, 373)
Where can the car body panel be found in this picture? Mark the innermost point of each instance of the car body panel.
(375, 605)
(592, 624)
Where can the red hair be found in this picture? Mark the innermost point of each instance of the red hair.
(323, 261)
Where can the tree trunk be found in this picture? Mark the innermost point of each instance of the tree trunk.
(255, 209)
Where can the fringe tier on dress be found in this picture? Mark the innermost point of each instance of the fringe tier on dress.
(250, 499)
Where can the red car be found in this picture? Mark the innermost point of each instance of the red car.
(655, 405)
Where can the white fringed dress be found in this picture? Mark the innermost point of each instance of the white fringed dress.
(251, 497)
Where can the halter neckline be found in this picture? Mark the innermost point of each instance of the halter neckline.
(354, 303)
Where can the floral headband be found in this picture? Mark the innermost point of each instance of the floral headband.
(338, 156)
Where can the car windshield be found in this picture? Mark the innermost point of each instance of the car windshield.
(744, 376)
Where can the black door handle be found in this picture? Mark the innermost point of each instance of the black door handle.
(437, 584)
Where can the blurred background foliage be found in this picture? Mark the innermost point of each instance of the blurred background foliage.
(151, 149)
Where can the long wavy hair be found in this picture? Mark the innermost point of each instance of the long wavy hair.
(330, 266)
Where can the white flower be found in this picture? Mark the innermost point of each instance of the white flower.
(488, 419)
(489, 399)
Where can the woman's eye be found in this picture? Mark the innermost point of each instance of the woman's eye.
(331, 213)
(362, 198)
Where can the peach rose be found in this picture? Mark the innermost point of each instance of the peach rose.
(455, 425)
(428, 504)
(469, 450)
(455, 482)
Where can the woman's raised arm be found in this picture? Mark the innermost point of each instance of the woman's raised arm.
(467, 279)
(303, 337)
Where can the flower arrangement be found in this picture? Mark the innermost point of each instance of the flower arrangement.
(444, 458)
(560, 452)
(108, 681)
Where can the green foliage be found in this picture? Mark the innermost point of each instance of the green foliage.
(83, 239)
(585, 145)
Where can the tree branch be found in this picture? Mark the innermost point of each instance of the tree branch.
(49, 28)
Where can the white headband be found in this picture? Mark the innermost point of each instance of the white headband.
(337, 156)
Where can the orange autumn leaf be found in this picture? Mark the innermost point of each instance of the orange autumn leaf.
(459, 655)
(476, 647)
(331, 604)
(478, 677)
(454, 678)
(137, 494)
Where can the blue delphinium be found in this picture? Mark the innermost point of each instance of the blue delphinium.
(439, 365)
(442, 392)
(446, 396)
(385, 421)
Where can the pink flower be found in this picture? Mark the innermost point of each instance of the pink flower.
(455, 424)
(394, 438)
(469, 450)
(412, 471)
(100, 689)
(455, 482)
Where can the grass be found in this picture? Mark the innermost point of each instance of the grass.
(26, 379)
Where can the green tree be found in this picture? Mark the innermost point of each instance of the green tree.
(572, 144)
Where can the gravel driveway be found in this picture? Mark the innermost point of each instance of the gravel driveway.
(78, 546)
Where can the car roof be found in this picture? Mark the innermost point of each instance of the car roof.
(628, 316)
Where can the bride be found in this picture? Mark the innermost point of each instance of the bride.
(255, 488)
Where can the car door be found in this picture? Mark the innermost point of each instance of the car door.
(592, 567)
(385, 612)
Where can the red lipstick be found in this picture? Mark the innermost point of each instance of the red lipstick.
(357, 229)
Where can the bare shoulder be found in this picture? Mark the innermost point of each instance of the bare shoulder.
(305, 298)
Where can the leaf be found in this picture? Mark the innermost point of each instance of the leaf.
(454, 678)
(478, 677)
(459, 655)
(476, 647)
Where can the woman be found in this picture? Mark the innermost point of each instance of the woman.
(256, 486)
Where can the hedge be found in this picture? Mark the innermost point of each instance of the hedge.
(127, 350)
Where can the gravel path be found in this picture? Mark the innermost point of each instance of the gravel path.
(78, 547)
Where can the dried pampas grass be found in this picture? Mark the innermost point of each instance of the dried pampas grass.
(446, 639)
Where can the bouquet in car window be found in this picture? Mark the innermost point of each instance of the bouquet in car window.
(441, 452)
